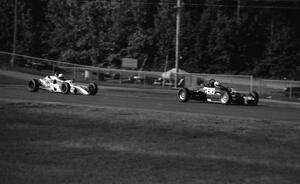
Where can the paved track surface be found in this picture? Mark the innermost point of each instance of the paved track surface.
(156, 101)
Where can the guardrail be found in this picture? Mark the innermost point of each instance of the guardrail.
(277, 89)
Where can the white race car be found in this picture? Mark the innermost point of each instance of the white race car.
(57, 83)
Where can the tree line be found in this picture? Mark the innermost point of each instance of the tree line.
(259, 38)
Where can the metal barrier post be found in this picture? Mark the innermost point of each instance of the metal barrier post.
(260, 87)
(291, 91)
(53, 67)
(251, 83)
(263, 86)
(74, 72)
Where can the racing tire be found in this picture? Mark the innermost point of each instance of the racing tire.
(254, 102)
(93, 88)
(183, 95)
(65, 88)
(33, 85)
(239, 100)
(225, 98)
(75, 92)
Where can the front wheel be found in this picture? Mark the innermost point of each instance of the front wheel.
(255, 98)
(183, 95)
(65, 88)
(225, 97)
(33, 85)
(93, 88)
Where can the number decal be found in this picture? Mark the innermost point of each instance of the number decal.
(210, 91)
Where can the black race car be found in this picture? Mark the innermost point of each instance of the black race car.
(214, 92)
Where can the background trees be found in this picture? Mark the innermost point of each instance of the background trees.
(260, 40)
(25, 37)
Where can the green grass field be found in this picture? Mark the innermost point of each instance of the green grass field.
(47, 143)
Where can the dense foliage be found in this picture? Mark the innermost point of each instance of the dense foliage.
(215, 37)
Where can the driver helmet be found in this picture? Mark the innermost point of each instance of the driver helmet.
(61, 76)
(217, 84)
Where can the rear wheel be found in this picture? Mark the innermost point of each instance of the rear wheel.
(93, 88)
(255, 97)
(183, 95)
(225, 97)
(33, 85)
(65, 88)
(239, 100)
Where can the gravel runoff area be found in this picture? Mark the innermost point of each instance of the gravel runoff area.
(56, 143)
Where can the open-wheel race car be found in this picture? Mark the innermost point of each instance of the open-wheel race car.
(57, 83)
(214, 92)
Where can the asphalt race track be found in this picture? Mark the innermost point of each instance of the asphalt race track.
(157, 101)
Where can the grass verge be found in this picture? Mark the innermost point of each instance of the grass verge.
(43, 143)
